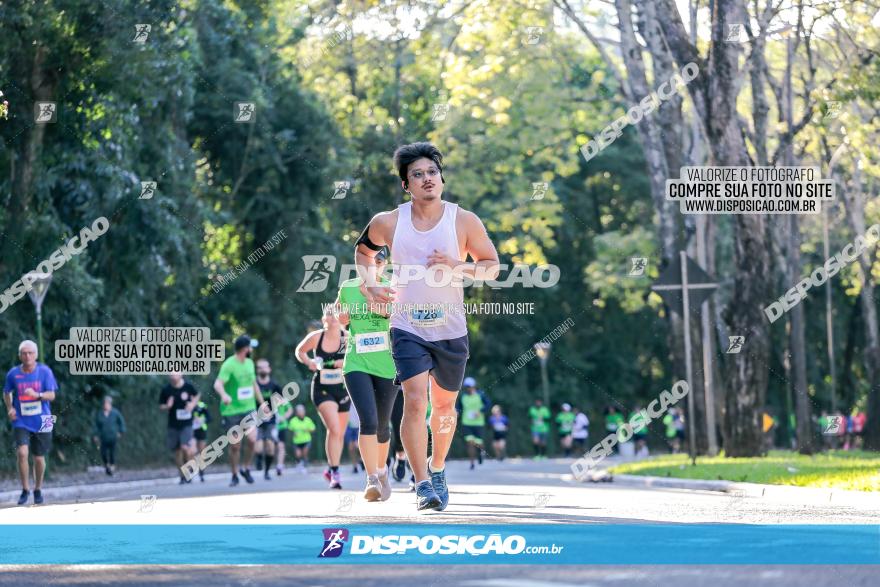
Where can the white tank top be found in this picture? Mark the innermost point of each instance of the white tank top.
(412, 247)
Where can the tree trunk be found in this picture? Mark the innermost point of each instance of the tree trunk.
(855, 213)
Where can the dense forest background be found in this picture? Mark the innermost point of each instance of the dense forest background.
(509, 91)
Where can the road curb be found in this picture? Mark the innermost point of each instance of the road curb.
(788, 493)
(92, 490)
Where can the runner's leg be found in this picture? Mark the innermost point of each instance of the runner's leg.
(412, 427)
(39, 469)
(23, 470)
(329, 412)
(363, 396)
(443, 420)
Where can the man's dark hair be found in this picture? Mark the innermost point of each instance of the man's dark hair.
(406, 154)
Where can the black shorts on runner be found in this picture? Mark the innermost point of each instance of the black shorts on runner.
(578, 442)
(39, 443)
(267, 431)
(330, 393)
(200, 434)
(445, 360)
(282, 435)
(473, 433)
(499, 435)
(178, 437)
(302, 445)
(227, 422)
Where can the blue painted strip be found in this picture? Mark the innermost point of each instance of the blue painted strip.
(623, 544)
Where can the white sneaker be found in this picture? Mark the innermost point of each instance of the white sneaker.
(372, 492)
(384, 486)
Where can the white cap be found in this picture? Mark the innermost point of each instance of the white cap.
(566, 407)
(470, 382)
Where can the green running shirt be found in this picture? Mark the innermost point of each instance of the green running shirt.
(369, 342)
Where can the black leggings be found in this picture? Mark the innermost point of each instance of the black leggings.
(373, 398)
(108, 452)
(396, 419)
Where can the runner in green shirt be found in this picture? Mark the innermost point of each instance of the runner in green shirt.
(539, 415)
(613, 421)
(369, 378)
(236, 384)
(301, 426)
(565, 422)
(472, 405)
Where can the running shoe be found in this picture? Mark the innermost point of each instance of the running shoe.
(384, 486)
(372, 492)
(278, 471)
(201, 476)
(426, 497)
(335, 480)
(22, 499)
(247, 475)
(472, 466)
(234, 481)
(354, 469)
(438, 482)
(266, 476)
(327, 475)
(480, 457)
(399, 470)
(412, 482)
(38, 496)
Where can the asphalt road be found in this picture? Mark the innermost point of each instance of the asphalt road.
(516, 491)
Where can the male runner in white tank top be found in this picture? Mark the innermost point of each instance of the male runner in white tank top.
(437, 236)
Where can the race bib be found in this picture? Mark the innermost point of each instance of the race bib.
(245, 392)
(371, 342)
(197, 423)
(31, 408)
(47, 423)
(331, 376)
(183, 415)
(472, 415)
(430, 318)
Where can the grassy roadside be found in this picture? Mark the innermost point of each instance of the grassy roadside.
(855, 470)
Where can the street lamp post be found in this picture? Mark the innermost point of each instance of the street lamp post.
(542, 349)
(39, 286)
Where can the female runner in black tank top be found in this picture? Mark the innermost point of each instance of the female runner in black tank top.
(328, 391)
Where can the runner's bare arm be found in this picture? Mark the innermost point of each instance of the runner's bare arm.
(7, 399)
(307, 344)
(379, 233)
(221, 391)
(47, 396)
(344, 318)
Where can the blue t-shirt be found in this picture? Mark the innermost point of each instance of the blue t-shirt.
(31, 414)
(498, 423)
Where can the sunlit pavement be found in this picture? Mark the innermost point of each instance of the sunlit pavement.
(516, 491)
